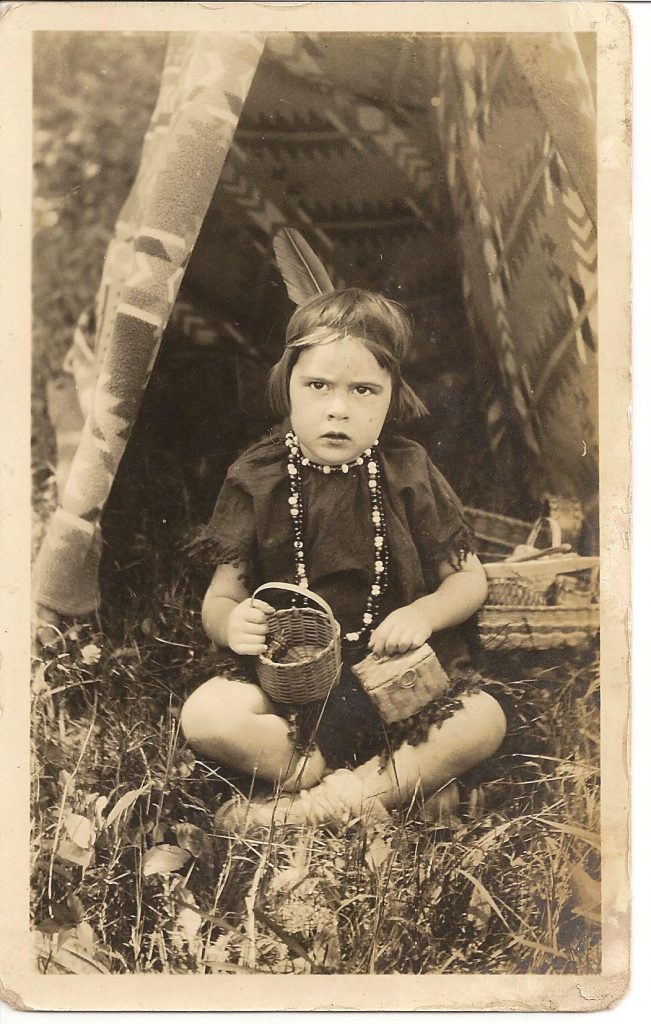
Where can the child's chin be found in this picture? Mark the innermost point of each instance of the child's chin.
(333, 452)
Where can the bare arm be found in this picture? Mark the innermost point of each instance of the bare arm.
(460, 593)
(229, 617)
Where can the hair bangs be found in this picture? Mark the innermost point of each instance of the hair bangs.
(381, 324)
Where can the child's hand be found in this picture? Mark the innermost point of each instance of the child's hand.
(247, 627)
(403, 630)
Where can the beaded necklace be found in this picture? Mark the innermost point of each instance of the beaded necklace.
(295, 463)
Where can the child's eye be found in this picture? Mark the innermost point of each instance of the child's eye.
(316, 385)
(362, 389)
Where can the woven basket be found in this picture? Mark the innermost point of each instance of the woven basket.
(542, 603)
(543, 582)
(306, 663)
(560, 521)
(567, 512)
(536, 629)
(401, 685)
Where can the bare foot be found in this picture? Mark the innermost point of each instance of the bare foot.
(240, 814)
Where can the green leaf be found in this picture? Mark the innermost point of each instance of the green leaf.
(48, 926)
(186, 929)
(376, 853)
(586, 895)
(68, 950)
(69, 851)
(75, 907)
(74, 959)
(479, 912)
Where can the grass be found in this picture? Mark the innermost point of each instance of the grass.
(131, 874)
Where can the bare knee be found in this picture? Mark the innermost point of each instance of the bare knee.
(217, 709)
(488, 727)
(470, 736)
(495, 723)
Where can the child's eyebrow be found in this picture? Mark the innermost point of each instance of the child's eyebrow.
(305, 377)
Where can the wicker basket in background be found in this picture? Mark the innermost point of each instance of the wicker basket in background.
(542, 603)
(303, 658)
(541, 582)
(536, 629)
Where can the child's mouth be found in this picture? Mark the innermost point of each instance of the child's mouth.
(336, 437)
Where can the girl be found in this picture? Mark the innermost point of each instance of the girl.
(336, 500)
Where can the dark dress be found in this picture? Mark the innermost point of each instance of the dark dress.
(251, 528)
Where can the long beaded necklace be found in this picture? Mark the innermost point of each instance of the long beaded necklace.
(295, 463)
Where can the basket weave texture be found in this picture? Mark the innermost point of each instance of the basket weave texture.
(545, 603)
(401, 685)
(303, 659)
(536, 629)
(549, 581)
(496, 534)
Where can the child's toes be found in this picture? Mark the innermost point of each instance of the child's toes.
(239, 814)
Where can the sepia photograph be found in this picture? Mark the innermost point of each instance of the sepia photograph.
(328, 601)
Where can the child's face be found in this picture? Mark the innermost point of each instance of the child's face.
(339, 397)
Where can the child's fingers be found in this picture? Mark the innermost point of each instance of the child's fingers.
(255, 628)
(409, 641)
(403, 645)
(253, 634)
(250, 648)
(262, 605)
(395, 642)
(254, 616)
(378, 644)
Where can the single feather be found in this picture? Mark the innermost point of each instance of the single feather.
(303, 272)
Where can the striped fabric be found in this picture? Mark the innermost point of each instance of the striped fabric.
(205, 81)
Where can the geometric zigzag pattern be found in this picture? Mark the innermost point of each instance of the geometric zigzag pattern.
(528, 246)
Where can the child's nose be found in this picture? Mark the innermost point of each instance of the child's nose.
(338, 406)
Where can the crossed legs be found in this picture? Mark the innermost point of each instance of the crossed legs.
(235, 723)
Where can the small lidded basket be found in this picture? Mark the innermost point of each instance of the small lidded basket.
(302, 662)
(400, 685)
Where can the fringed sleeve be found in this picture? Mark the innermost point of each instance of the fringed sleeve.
(228, 538)
(441, 531)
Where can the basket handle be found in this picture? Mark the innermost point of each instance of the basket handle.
(555, 529)
(304, 592)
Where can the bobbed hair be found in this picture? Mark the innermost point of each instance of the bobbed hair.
(381, 325)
